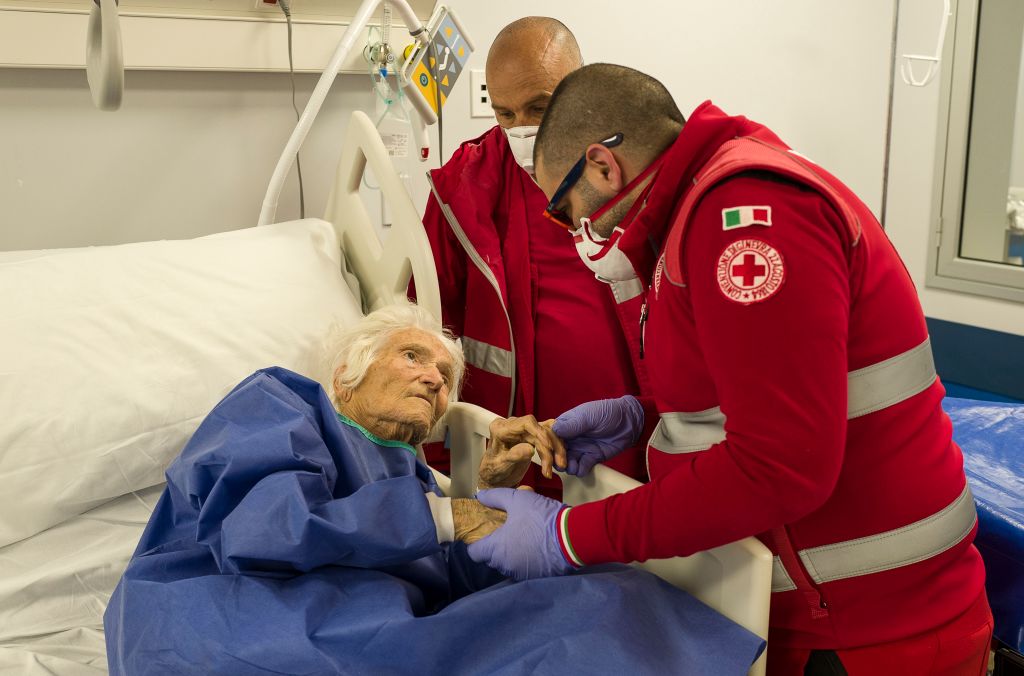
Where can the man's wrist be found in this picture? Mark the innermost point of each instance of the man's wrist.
(564, 543)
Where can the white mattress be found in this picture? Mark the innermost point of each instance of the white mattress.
(55, 585)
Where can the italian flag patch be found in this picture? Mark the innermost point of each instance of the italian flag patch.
(741, 217)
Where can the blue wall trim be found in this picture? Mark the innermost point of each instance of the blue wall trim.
(977, 358)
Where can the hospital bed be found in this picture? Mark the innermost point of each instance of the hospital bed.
(111, 356)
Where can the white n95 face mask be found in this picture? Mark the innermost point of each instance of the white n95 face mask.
(603, 256)
(520, 140)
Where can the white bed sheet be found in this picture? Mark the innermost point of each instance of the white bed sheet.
(54, 588)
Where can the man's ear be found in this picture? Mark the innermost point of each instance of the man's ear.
(604, 170)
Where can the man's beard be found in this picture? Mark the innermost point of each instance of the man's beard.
(593, 200)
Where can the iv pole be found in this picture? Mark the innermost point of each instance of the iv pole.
(316, 100)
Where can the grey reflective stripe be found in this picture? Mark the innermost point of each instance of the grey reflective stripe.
(474, 256)
(688, 432)
(892, 549)
(490, 358)
(889, 382)
(628, 290)
(869, 389)
(895, 548)
(781, 581)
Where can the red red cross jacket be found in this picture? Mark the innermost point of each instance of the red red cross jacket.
(540, 333)
(798, 399)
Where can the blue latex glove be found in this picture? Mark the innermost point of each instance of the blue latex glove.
(527, 545)
(598, 430)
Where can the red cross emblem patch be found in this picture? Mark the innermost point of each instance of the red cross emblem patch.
(750, 271)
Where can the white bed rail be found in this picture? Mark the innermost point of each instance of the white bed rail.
(734, 579)
(382, 268)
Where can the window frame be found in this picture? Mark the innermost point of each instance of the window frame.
(946, 268)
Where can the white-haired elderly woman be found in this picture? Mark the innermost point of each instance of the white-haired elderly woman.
(281, 481)
(394, 374)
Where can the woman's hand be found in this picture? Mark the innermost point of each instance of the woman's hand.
(512, 444)
(473, 520)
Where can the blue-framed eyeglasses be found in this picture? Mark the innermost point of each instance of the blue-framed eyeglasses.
(552, 212)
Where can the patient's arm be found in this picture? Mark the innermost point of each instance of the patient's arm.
(512, 443)
(474, 520)
(289, 521)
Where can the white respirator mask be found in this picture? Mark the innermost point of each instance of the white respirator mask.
(520, 140)
(603, 255)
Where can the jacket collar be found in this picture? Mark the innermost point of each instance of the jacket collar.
(703, 133)
(480, 174)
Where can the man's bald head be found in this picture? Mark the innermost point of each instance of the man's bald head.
(601, 100)
(527, 60)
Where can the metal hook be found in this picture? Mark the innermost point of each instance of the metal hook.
(907, 65)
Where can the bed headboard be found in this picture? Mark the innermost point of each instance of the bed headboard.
(383, 269)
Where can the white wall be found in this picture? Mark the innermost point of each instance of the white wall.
(816, 72)
(909, 212)
(191, 152)
(187, 154)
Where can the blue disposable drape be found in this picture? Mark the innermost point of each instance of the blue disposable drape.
(289, 541)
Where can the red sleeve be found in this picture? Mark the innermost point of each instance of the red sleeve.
(779, 368)
(450, 261)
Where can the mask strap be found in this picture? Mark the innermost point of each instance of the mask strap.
(651, 169)
(620, 229)
(641, 199)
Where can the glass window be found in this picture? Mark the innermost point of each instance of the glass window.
(995, 159)
(980, 247)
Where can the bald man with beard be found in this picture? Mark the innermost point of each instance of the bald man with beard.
(540, 333)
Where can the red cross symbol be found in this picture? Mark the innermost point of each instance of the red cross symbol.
(749, 270)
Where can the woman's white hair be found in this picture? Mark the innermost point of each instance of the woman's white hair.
(356, 347)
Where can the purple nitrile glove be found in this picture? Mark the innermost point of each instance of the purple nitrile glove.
(598, 430)
(527, 545)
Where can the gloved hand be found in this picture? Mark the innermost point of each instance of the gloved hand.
(527, 545)
(598, 430)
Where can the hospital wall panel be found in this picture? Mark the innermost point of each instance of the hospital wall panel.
(188, 154)
(215, 35)
(990, 362)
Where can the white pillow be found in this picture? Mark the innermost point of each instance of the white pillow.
(111, 356)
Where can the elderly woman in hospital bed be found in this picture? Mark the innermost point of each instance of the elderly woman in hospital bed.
(303, 535)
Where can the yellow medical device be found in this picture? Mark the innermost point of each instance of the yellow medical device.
(430, 70)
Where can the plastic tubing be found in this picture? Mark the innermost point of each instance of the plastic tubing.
(284, 164)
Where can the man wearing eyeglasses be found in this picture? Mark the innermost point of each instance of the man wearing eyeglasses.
(540, 334)
(793, 385)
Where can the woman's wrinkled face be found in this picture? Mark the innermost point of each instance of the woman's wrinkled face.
(405, 391)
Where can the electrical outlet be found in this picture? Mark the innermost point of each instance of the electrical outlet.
(480, 101)
(267, 4)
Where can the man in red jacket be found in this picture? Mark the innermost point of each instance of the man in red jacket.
(533, 320)
(793, 384)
